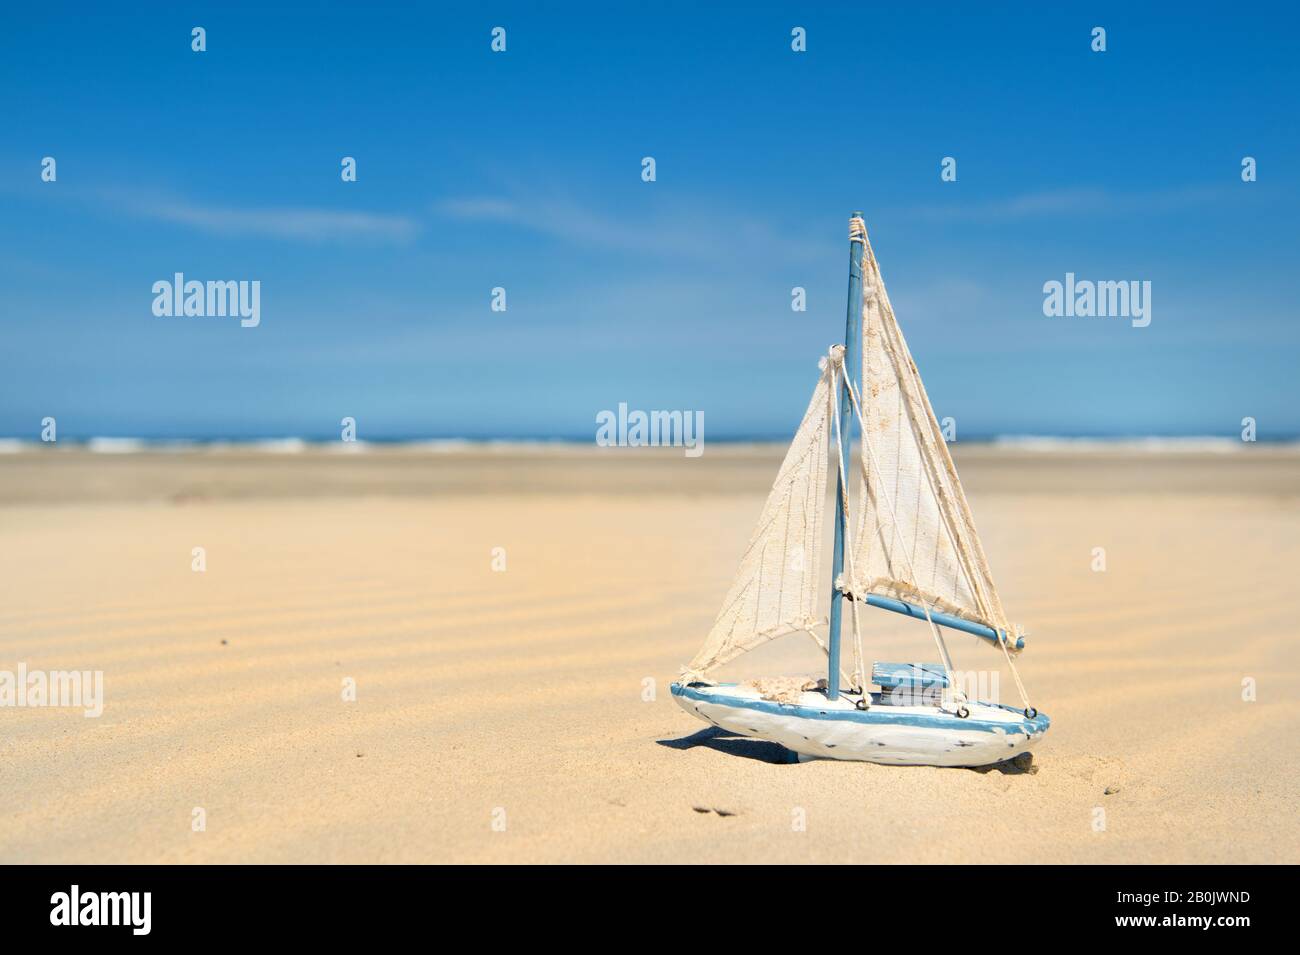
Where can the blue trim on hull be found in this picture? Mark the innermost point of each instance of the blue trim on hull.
(877, 715)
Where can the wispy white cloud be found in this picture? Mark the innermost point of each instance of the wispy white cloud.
(696, 233)
(284, 222)
(1068, 203)
(496, 210)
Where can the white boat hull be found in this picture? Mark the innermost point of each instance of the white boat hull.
(883, 733)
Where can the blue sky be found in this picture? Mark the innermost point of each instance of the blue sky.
(522, 170)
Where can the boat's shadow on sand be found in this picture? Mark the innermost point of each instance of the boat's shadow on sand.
(762, 750)
(766, 751)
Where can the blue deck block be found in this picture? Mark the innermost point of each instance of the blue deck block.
(912, 676)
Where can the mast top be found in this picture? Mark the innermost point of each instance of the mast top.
(857, 232)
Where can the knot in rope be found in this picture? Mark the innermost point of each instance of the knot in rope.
(834, 355)
(857, 230)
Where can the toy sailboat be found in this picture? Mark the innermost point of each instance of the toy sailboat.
(908, 544)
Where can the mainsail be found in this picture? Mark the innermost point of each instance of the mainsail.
(914, 537)
(777, 587)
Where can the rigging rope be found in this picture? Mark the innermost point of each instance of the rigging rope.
(943, 647)
(1024, 696)
(826, 650)
(846, 524)
(990, 605)
(871, 265)
(953, 691)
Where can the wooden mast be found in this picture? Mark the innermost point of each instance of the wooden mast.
(852, 371)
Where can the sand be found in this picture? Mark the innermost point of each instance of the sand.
(501, 716)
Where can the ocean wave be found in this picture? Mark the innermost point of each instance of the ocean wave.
(1200, 444)
(117, 445)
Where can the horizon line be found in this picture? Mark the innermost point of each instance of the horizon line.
(124, 444)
